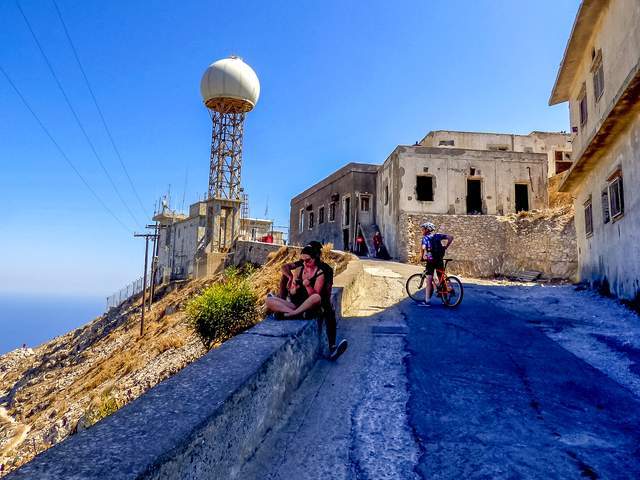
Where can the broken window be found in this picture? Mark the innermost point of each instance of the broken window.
(364, 204)
(332, 212)
(386, 194)
(301, 221)
(498, 148)
(446, 143)
(588, 218)
(424, 188)
(311, 220)
(616, 197)
(558, 155)
(321, 215)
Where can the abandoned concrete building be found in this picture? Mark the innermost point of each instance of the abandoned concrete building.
(600, 78)
(331, 210)
(417, 180)
(556, 145)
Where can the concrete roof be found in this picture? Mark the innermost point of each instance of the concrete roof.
(581, 31)
(534, 132)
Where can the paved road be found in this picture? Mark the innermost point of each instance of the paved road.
(475, 392)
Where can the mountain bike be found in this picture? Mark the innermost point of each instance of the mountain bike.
(448, 288)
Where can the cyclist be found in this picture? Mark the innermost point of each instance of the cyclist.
(432, 252)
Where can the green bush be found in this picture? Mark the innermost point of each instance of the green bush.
(223, 310)
(107, 405)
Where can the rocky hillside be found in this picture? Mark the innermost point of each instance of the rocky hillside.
(72, 381)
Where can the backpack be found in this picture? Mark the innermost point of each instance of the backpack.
(437, 249)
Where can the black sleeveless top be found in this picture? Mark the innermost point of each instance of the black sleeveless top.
(301, 293)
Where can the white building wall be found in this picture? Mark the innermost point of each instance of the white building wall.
(612, 253)
(617, 34)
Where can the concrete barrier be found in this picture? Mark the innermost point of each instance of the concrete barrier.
(205, 421)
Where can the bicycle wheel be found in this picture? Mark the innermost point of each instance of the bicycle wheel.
(453, 296)
(415, 287)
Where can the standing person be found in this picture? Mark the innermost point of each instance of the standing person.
(359, 245)
(377, 241)
(432, 252)
(305, 288)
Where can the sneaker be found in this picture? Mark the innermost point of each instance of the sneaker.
(339, 350)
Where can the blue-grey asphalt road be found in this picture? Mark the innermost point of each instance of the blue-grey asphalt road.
(492, 397)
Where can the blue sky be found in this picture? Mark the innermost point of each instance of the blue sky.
(341, 81)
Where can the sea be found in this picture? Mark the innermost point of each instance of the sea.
(30, 319)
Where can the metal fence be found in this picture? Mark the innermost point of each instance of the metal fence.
(127, 292)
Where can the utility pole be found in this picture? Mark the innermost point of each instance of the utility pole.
(154, 260)
(146, 237)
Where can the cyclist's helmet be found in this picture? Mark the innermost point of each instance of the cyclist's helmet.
(429, 226)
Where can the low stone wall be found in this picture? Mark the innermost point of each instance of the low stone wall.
(489, 245)
(252, 252)
(205, 421)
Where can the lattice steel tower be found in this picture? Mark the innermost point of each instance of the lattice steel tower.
(230, 89)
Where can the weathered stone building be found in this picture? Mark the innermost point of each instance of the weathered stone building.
(600, 78)
(556, 145)
(417, 180)
(333, 209)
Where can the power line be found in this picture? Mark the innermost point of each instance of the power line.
(59, 148)
(75, 115)
(95, 101)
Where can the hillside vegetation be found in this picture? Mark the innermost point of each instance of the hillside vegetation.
(75, 380)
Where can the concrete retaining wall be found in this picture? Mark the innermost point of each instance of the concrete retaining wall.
(205, 421)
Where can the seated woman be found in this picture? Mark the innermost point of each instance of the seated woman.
(304, 286)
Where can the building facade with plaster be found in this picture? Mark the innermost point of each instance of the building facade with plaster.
(600, 78)
(556, 145)
(419, 181)
(333, 210)
(179, 238)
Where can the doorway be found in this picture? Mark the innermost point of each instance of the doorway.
(474, 197)
(522, 197)
(345, 239)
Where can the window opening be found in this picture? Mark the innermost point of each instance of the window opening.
(446, 143)
(364, 204)
(584, 114)
(522, 197)
(332, 212)
(311, 220)
(424, 188)
(474, 197)
(320, 215)
(346, 210)
(588, 218)
(616, 197)
(386, 194)
(301, 220)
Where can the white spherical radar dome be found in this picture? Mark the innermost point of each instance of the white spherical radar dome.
(230, 85)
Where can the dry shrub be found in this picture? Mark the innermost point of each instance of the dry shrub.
(169, 343)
